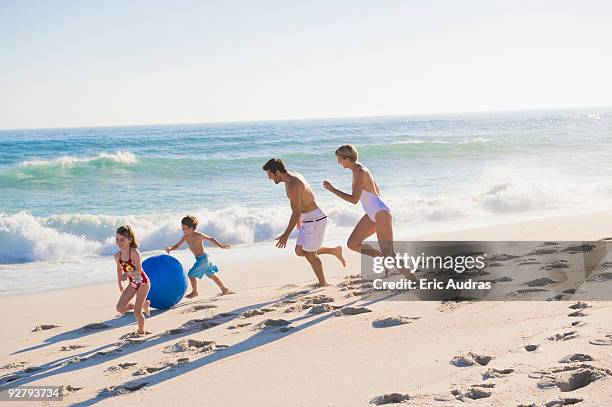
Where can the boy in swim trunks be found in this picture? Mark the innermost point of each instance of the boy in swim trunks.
(203, 265)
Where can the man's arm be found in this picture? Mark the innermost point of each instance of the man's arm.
(295, 199)
(176, 246)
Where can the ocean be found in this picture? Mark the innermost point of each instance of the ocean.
(63, 192)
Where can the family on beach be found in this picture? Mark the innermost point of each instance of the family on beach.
(306, 215)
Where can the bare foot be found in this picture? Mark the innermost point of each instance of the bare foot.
(338, 254)
(192, 294)
(145, 308)
(321, 285)
(226, 291)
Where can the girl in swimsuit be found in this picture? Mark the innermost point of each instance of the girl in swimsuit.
(129, 267)
(378, 217)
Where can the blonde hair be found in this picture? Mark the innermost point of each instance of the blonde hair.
(126, 231)
(348, 151)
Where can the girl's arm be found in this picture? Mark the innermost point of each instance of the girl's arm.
(215, 241)
(138, 261)
(176, 246)
(357, 189)
(119, 274)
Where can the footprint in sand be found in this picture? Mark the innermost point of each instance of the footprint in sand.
(201, 323)
(540, 282)
(321, 309)
(503, 257)
(496, 373)
(348, 311)
(120, 367)
(600, 277)
(605, 341)
(393, 321)
(112, 391)
(255, 312)
(271, 323)
(145, 370)
(241, 325)
(44, 327)
(531, 348)
(194, 345)
(71, 389)
(579, 305)
(174, 331)
(557, 264)
(474, 394)
(540, 252)
(578, 324)
(564, 401)
(96, 326)
(577, 314)
(200, 307)
(576, 357)
(579, 248)
(14, 365)
(68, 348)
(470, 359)
(391, 398)
(528, 262)
(319, 299)
(573, 378)
(566, 336)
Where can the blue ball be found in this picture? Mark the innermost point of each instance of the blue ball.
(168, 281)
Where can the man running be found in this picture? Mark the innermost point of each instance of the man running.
(306, 215)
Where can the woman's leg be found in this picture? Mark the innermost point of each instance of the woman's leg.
(364, 229)
(384, 232)
(123, 304)
(141, 297)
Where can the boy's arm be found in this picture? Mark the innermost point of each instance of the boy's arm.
(176, 246)
(215, 241)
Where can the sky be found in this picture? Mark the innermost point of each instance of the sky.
(100, 63)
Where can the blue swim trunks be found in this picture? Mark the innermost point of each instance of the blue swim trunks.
(202, 266)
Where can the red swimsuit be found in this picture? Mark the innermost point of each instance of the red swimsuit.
(128, 266)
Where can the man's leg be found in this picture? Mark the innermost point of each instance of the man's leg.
(317, 267)
(334, 251)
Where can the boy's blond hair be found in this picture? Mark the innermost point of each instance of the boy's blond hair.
(348, 151)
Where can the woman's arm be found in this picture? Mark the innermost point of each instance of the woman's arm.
(357, 189)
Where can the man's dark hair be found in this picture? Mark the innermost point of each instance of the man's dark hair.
(275, 164)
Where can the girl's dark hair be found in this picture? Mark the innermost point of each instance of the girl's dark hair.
(126, 230)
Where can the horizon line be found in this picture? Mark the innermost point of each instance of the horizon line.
(510, 110)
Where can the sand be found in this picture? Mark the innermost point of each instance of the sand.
(280, 342)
